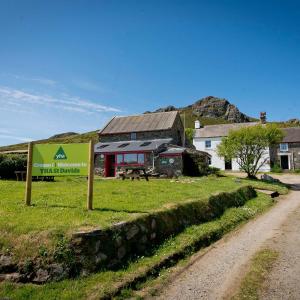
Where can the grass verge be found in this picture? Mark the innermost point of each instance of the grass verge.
(252, 283)
(59, 207)
(121, 283)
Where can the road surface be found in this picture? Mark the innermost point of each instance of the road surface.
(217, 273)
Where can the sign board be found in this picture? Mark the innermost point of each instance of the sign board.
(60, 159)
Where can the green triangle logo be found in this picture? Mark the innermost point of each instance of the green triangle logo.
(60, 154)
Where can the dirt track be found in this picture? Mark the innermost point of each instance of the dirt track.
(213, 275)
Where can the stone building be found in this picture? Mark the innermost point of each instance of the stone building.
(287, 153)
(154, 141)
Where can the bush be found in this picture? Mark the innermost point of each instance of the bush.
(213, 171)
(9, 163)
(276, 169)
(297, 171)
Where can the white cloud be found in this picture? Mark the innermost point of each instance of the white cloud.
(17, 138)
(41, 80)
(15, 97)
(4, 131)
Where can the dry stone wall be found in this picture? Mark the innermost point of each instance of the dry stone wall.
(88, 252)
(114, 246)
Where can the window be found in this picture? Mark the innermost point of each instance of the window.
(123, 145)
(133, 135)
(131, 159)
(141, 158)
(208, 144)
(102, 146)
(145, 144)
(209, 160)
(119, 158)
(284, 147)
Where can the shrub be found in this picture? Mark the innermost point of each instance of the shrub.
(9, 163)
(276, 169)
(213, 171)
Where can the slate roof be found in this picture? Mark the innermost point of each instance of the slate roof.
(173, 150)
(221, 129)
(292, 135)
(145, 122)
(131, 146)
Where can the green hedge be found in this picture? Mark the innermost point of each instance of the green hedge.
(9, 163)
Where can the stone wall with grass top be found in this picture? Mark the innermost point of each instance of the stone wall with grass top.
(112, 247)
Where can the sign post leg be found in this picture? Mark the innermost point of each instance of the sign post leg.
(90, 177)
(29, 175)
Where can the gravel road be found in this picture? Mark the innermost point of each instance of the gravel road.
(283, 281)
(214, 274)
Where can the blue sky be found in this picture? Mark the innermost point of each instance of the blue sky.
(72, 65)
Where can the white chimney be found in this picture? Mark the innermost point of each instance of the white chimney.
(197, 124)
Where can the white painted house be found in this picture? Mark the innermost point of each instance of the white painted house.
(207, 139)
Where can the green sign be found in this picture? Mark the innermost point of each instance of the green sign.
(60, 160)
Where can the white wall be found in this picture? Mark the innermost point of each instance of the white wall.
(219, 162)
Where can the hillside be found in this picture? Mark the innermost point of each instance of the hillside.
(209, 110)
(60, 138)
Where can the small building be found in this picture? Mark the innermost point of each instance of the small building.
(154, 141)
(207, 139)
(287, 153)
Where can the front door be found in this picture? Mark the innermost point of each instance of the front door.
(284, 159)
(110, 165)
(228, 164)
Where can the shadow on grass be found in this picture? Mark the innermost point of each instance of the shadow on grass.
(104, 209)
(121, 210)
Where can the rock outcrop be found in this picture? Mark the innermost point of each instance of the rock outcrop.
(212, 107)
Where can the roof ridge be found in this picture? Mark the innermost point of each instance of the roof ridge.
(151, 113)
(228, 124)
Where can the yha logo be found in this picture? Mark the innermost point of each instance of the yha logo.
(60, 154)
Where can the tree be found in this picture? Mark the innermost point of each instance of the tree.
(189, 133)
(248, 146)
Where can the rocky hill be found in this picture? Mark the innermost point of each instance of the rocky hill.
(211, 108)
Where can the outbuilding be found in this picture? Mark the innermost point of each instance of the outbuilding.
(154, 141)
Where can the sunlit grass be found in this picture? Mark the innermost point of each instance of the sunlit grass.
(103, 283)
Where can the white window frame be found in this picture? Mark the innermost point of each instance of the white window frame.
(285, 148)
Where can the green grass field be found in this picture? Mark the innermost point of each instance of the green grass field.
(103, 283)
(60, 207)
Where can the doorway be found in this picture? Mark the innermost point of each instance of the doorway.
(228, 164)
(284, 161)
(110, 165)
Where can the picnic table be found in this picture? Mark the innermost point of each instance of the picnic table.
(20, 175)
(134, 172)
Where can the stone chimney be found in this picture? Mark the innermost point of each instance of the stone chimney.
(197, 124)
(263, 117)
